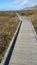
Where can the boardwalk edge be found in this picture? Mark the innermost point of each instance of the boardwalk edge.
(34, 30)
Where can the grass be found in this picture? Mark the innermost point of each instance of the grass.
(8, 25)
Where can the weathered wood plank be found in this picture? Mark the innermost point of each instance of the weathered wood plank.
(25, 51)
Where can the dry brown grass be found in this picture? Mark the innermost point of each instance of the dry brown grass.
(34, 21)
(32, 14)
(8, 25)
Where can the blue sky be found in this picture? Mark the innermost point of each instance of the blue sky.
(16, 4)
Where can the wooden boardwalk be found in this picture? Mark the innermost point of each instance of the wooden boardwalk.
(25, 50)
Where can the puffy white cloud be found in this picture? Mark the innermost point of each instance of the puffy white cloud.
(20, 2)
(16, 2)
(24, 3)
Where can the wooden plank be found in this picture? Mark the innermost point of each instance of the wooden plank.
(25, 51)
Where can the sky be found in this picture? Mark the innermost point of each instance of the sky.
(16, 4)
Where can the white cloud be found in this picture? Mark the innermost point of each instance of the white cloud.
(16, 2)
(24, 3)
(20, 2)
